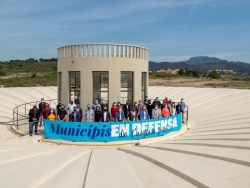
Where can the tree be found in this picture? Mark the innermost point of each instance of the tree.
(214, 75)
(196, 73)
(3, 73)
(181, 72)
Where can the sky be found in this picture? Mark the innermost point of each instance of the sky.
(173, 30)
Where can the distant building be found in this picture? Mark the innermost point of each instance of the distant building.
(169, 71)
(223, 71)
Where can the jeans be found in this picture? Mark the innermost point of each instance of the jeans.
(32, 124)
(41, 120)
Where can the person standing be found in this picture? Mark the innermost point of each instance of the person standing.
(52, 115)
(98, 114)
(58, 107)
(106, 115)
(120, 116)
(146, 100)
(178, 108)
(126, 109)
(118, 104)
(96, 104)
(62, 115)
(140, 105)
(75, 115)
(70, 107)
(150, 108)
(89, 114)
(144, 113)
(172, 110)
(133, 115)
(79, 109)
(165, 111)
(41, 106)
(158, 102)
(156, 112)
(183, 106)
(169, 104)
(45, 112)
(114, 110)
(34, 115)
(137, 110)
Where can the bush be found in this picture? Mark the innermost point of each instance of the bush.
(33, 75)
(214, 75)
(3, 73)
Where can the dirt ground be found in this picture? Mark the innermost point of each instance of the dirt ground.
(200, 82)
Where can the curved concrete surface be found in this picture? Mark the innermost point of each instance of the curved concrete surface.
(214, 153)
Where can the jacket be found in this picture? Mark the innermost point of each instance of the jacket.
(41, 106)
(52, 117)
(108, 117)
(142, 115)
(98, 116)
(183, 105)
(165, 112)
(80, 111)
(178, 109)
(126, 110)
(78, 116)
(114, 110)
(156, 113)
(33, 115)
(172, 111)
(117, 117)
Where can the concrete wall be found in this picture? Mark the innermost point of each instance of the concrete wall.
(113, 65)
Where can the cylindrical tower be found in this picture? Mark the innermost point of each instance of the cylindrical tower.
(107, 72)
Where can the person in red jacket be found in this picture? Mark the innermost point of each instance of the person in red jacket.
(114, 110)
(165, 111)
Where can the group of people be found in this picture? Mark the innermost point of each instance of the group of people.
(149, 109)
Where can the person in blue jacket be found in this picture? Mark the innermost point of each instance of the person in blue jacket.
(144, 113)
(120, 116)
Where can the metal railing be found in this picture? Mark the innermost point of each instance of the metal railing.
(20, 112)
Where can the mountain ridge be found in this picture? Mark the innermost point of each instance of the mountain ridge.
(203, 63)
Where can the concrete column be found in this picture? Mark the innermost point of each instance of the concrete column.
(119, 51)
(131, 51)
(137, 85)
(123, 51)
(115, 51)
(104, 50)
(100, 51)
(109, 46)
(90, 50)
(114, 84)
(86, 83)
(65, 87)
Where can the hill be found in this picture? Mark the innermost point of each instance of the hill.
(204, 64)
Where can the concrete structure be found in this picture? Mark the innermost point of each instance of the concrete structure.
(109, 72)
(214, 153)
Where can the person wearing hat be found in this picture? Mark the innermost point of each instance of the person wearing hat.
(34, 115)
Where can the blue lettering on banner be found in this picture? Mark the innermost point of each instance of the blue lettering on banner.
(110, 131)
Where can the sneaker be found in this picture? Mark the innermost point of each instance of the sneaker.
(30, 134)
(37, 134)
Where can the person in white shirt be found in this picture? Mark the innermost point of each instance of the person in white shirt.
(70, 107)
(106, 117)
